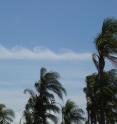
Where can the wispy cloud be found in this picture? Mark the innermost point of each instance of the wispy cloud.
(41, 53)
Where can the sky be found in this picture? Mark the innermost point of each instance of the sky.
(58, 35)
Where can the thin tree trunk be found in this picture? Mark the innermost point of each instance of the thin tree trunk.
(101, 68)
(44, 120)
(92, 118)
(88, 116)
(95, 121)
(101, 79)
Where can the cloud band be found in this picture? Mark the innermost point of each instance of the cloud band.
(41, 53)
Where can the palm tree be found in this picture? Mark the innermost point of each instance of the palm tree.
(40, 102)
(6, 115)
(106, 92)
(106, 45)
(90, 97)
(72, 113)
(28, 113)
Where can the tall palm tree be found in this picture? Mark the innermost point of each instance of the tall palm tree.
(28, 113)
(6, 115)
(106, 45)
(90, 97)
(72, 113)
(106, 92)
(40, 101)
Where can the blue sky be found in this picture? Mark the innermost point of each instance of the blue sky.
(56, 24)
(58, 35)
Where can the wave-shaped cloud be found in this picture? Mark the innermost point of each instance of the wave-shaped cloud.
(41, 53)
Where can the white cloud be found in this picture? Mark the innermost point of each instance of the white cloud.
(41, 53)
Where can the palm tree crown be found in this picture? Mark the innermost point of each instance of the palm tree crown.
(106, 41)
(40, 102)
(72, 113)
(6, 115)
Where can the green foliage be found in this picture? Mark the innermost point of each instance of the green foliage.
(107, 38)
(39, 107)
(6, 115)
(104, 92)
(72, 113)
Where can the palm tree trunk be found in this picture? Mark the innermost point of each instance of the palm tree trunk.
(92, 118)
(100, 73)
(101, 68)
(88, 115)
(95, 121)
(44, 119)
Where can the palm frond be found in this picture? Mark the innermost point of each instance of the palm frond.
(94, 57)
(56, 90)
(31, 92)
(109, 24)
(72, 113)
(6, 115)
(57, 84)
(107, 39)
(42, 72)
(51, 76)
(113, 60)
(52, 107)
(52, 117)
(2, 106)
(48, 95)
